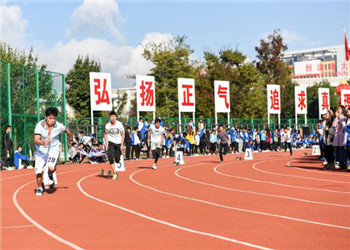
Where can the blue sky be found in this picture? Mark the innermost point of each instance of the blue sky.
(53, 26)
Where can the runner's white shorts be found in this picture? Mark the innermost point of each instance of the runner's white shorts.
(155, 145)
(45, 161)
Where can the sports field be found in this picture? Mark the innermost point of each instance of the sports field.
(271, 202)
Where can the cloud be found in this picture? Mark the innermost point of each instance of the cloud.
(288, 36)
(96, 18)
(92, 21)
(119, 60)
(295, 40)
(13, 26)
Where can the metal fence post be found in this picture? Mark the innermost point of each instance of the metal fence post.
(64, 115)
(9, 95)
(37, 95)
(24, 115)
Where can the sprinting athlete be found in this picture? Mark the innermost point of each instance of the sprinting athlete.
(114, 138)
(156, 135)
(47, 149)
(223, 140)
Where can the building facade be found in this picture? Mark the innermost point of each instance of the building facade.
(117, 95)
(314, 65)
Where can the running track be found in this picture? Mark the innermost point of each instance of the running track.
(271, 202)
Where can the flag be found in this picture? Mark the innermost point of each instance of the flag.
(347, 52)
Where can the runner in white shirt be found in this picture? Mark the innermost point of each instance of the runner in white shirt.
(156, 135)
(283, 135)
(114, 138)
(288, 141)
(47, 149)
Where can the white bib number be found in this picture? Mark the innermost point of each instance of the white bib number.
(316, 150)
(121, 166)
(179, 157)
(248, 154)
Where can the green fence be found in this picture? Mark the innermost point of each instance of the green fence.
(27, 92)
(25, 95)
(77, 125)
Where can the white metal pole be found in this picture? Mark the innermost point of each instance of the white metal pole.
(296, 120)
(279, 120)
(305, 119)
(92, 122)
(194, 117)
(228, 120)
(216, 119)
(180, 122)
(154, 115)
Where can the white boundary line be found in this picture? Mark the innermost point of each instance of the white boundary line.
(164, 222)
(15, 227)
(279, 184)
(317, 171)
(235, 208)
(36, 224)
(17, 176)
(298, 176)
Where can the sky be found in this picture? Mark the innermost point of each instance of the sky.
(115, 31)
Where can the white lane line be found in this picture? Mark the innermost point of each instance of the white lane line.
(317, 171)
(298, 176)
(165, 222)
(40, 227)
(16, 176)
(36, 224)
(15, 227)
(279, 184)
(236, 208)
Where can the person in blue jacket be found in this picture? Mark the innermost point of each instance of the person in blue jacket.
(20, 160)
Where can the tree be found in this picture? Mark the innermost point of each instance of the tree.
(270, 55)
(312, 98)
(249, 99)
(247, 84)
(78, 93)
(121, 102)
(288, 100)
(23, 68)
(172, 61)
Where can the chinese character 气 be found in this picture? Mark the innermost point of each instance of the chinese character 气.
(222, 92)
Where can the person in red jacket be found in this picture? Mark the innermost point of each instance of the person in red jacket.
(268, 139)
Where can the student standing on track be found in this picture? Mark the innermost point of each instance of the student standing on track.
(156, 135)
(288, 142)
(114, 138)
(47, 149)
(222, 142)
(7, 147)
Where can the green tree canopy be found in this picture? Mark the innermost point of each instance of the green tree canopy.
(172, 61)
(270, 55)
(78, 80)
(247, 84)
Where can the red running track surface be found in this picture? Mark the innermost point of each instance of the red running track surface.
(271, 202)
